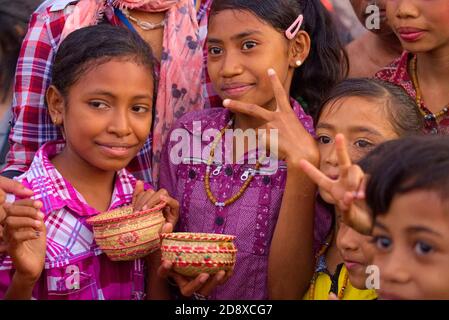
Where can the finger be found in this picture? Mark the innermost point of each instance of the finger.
(354, 178)
(342, 151)
(280, 95)
(212, 283)
(22, 235)
(316, 175)
(172, 208)
(144, 201)
(28, 203)
(164, 269)
(248, 109)
(187, 286)
(15, 223)
(13, 210)
(14, 187)
(167, 228)
(139, 188)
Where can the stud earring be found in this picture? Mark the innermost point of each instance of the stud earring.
(298, 63)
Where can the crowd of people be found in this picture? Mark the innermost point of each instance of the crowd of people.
(107, 103)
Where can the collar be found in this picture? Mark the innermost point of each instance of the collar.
(55, 192)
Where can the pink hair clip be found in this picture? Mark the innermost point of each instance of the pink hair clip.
(296, 25)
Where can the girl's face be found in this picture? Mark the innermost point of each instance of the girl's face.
(241, 48)
(364, 123)
(421, 25)
(106, 115)
(412, 247)
(355, 250)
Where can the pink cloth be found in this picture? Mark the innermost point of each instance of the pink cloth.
(179, 92)
(75, 267)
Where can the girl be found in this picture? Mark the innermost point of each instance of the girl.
(407, 195)
(379, 111)
(236, 196)
(169, 26)
(423, 68)
(105, 122)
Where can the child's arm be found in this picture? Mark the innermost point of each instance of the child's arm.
(25, 237)
(290, 264)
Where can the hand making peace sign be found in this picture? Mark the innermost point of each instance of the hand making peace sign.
(348, 191)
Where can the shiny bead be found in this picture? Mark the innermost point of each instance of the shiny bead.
(192, 174)
(219, 221)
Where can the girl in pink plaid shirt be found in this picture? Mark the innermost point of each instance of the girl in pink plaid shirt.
(101, 97)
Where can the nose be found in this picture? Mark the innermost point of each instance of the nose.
(405, 9)
(331, 158)
(393, 267)
(119, 124)
(347, 238)
(231, 64)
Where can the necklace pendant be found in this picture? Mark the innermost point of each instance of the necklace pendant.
(149, 26)
(219, 204)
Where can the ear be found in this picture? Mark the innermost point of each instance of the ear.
(56, 105)
(299, 49)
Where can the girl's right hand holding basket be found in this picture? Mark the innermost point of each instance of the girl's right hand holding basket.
(25, 237)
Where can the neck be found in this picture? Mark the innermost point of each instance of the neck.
(383, 50)
(390, 43)
(4, 106)
(434, 66)
(96, 186)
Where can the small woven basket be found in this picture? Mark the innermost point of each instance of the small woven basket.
(126, 235)
(195, 253)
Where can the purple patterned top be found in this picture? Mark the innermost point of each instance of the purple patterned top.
(398, 73)
(75, 268)
(251, 218)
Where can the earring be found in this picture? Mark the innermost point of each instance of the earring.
(298, 63)
(55, 121)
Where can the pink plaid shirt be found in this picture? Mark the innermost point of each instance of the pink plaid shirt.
(75, 268)
(32, 126)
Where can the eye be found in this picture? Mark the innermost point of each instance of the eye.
(247, 45)
(215, 51)
(140, 109)
(98, 104)
(382, 242)
(361, 143)
(324, 139)
(423, 248)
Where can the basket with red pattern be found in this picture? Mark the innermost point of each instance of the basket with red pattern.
(126, 235)
(195, 253)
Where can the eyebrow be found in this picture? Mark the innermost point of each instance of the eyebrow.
(112, 96)
(238, 36)
(356, 129)
(380, 225)
(421, 229)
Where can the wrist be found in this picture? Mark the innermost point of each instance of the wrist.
(25, 280)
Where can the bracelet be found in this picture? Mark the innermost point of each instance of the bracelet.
(199, 296)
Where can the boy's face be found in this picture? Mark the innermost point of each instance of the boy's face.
(356, 251)
(412, 247)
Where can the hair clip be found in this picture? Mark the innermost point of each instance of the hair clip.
(296, 25)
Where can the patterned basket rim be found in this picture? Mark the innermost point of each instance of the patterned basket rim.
(211, 264)
(165, 248)
(190, 236)
(103, 218)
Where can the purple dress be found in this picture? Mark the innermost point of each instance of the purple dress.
(251, 218)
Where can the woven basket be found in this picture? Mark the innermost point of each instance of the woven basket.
(124, 235)
(195, 253)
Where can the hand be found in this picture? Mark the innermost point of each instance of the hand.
(143, 200)
(294, 142)
(347, 192)
(14, 187)
(203, 284)
(25, 237)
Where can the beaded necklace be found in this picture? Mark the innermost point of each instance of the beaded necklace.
(322, 251)
(428, 116)
(245, 185)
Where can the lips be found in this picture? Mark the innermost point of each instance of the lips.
(116, 150)
(234, 90)
(350, 265)
(409, 34)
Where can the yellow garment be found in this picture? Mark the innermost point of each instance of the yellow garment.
(323, 285)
